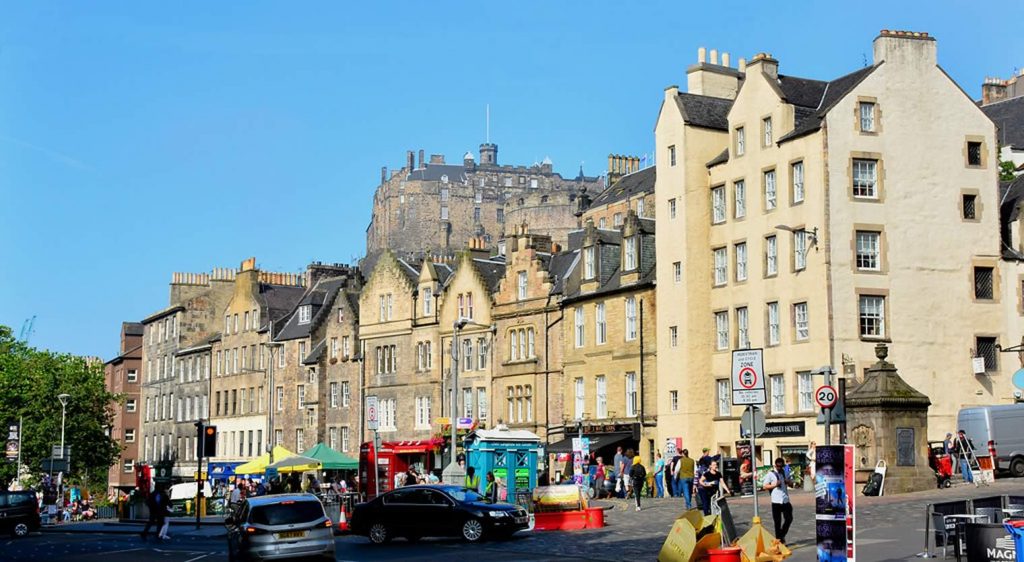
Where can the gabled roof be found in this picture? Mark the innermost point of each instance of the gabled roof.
(490, 271)
(318, 298)
(704, 111)
(561, 267)
(627, 186)
(316, 353)
(277, 301)
(810, 118)
(1008, 115)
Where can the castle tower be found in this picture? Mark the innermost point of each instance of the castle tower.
(488, 154)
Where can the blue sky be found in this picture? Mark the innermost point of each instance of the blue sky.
(139, 139)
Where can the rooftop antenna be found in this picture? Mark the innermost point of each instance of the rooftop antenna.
(488, 120)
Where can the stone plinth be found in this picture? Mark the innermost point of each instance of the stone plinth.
(887, 419)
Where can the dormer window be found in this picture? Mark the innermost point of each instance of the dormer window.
(630, 243)
(305, 313)
(428, 298)
(589, 263)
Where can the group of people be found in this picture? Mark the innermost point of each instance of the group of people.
(491, 486)
(412, 476)
(682, 476)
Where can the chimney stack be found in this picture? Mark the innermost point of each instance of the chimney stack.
(714, 56)
(701, 55)
(420, 167)
(742, 65)
(410, 161)
(383, 174)
(725, 59)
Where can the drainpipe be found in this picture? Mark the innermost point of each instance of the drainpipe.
(547, 369)
(641, 365)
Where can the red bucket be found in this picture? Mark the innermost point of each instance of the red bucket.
(728, 554)
(595, 517)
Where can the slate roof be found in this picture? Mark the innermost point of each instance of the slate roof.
(133, 328)
(627, 186)
(1008, 115)
(1011, 197)
(815, 101)
(704, 111)
(722, 158)
(610, 280)
(491, 271)
(277, 301)
(562, 265)
(316, 353)
(319, 298)
(433, 172)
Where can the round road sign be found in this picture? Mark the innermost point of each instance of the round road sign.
(748, 378)
(826, 396)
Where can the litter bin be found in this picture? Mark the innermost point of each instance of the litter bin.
(595, 517)
(728, 554)
(1016, 530)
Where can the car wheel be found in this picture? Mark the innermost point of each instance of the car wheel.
(20, 530)
(1017, 467)
(472, 530)
(378, 533)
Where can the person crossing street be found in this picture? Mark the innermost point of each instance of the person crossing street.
(637, 477)
(778, 484)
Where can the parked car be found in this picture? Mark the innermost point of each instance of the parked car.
(997, 428)
(279, 526)
(413, 512)
(19, 513)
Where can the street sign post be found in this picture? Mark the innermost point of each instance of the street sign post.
(372, 423)
(371, 413)
(756, 426)
(748, 386)
(826, 396)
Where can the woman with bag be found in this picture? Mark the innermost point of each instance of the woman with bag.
(711, 482)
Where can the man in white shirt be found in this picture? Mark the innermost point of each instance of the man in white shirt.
(782, 511)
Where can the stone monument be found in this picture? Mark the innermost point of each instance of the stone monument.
(888, 420)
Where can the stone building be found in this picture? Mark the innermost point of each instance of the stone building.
(436, 207)
(123, 376)
(259, 304)
(318, 375)
(610, 353)
(527, 375)
(551, 212)
(1003, 102)
(196, 300)
(815, 219)
(633, 188)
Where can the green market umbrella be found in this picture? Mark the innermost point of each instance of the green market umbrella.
(331, 459)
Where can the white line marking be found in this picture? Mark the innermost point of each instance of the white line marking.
(198, 557)
(122, 551)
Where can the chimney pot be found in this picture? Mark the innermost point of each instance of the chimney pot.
(742, 65)
(725, 59)
(421, 160)
(702, 55)
(714, 56)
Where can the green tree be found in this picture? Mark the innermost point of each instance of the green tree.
(1006, 171)
(30, 380)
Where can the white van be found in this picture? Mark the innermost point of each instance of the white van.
(1000, 429)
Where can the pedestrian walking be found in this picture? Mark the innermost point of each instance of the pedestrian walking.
(637, 476)
(164, 508)
(599, 477)
(491, 488)
(659, 475)
(711, 483)
(778, 484)
(620, 467)
(472, 481)
(154, 514)
(686, 472)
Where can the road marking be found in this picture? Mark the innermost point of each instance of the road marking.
(198, 557)
(122, 551)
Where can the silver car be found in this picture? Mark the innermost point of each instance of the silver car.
(279, 526)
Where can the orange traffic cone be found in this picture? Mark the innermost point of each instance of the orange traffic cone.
(343, 519)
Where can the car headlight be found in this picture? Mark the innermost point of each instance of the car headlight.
(498, 514)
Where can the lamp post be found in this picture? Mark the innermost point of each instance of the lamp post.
(453, 472)
(271, 396)
(63, 416)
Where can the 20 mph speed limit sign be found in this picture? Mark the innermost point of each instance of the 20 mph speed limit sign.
(748, 377)
(826, 396)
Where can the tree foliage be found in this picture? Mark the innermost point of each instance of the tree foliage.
(1006, 171)
(30, 380)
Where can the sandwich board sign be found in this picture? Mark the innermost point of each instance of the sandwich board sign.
(748, 378)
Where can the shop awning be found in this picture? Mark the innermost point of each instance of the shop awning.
(331, 459)
(259, 464)
(597, 441)
(297, 463)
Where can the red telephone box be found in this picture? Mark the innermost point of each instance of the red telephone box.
(393, 458)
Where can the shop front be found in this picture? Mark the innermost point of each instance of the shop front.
(603, 441)
(394, 458)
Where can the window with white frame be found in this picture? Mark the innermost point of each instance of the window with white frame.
(721, 266)
(865, 178)
(528, 401)
(672, 208)
(677, 271)
(771, 256)
(868, 250)
(130, 406)
(579, 327)
(428, 299)
(740, 199)
(640, 207)
(721, 330)
(872, 316)
(773, 323)
(673, 336)
(778, 390)
(601, 392)
(632, 401)
(332, 438)
(589, 263)
(867, 117)
(422, 412)
(133, 375)
(346, 347)
(741, 261)
(800, 321)
(300, 396)
(279, 437)
(797, 174)
(522, 284)
(601, 326)
(770, 192)
(305, 314)
(742, 328)
(383, 311)
(344, 440)
(631, 262)
(717, 204)
(510, 398)
(530, 349)
(334, 348)
(580, 397)
(724, 400)
(741, 141)
(346, 394)
(334, 394)
(281, 357)
(673, 400)
(390, 303)
(481, 403)
(805, 391)
(766, 128)
(279, 399)
(800, 250)
(129, 435)
(513, 348)
(630, 318)
(300, 440)
(467, 354)
(387, 415)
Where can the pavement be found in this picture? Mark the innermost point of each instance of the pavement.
(890, 529)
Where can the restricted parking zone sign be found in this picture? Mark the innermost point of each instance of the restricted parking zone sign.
(748, 377)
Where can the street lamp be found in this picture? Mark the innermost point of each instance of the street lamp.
(271, 395)
(453, 472)
(811, 233)
(63, 415)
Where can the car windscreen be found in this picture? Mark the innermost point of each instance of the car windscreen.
(19, 499)
(465, 495)
(287, 513)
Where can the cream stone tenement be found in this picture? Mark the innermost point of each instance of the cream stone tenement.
(815, 219)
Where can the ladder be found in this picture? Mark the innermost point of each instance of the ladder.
(965, 451)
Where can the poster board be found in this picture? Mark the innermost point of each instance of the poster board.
(834, 505)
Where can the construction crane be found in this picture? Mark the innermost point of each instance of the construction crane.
(27, 328)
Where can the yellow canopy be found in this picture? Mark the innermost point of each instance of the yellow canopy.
(259, 464)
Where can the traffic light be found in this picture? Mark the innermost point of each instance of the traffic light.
(210, 441)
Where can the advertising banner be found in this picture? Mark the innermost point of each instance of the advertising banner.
(834, 503)
(13, 444)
